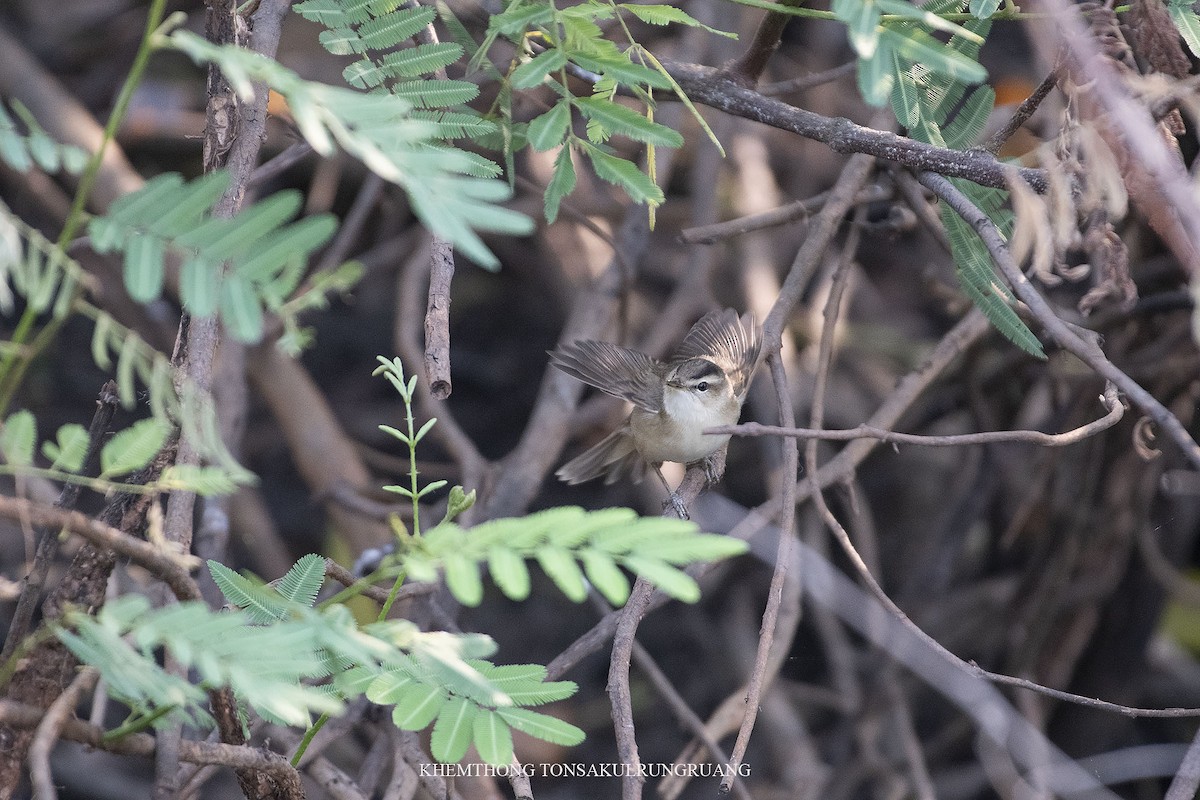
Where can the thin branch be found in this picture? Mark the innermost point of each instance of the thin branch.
(820, 233)
(352, 224)
(783, 562)
(50, 729)
(711, 234)
(1110, 400)
(1024, 111)
(169, 567)
(809, 81)
(379, 594)
(619, 694)
(1187, 778)
(22, 715)
(291, 155)
(35, 579)
(1088, 351)
(788, 493)
(1088, 702)
(407, 341)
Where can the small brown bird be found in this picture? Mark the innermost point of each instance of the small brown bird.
(702, 386)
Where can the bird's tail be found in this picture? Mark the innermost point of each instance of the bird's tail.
(614, 457)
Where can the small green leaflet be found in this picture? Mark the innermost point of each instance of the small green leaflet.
(132, 448)
(535, 70)
(492, 737)
(453, 730)
(543, 726)
(1187, 23)
(623, 121)
(205, 481)
(561, 184)
(625, 174)
(664, 15)
(549, 129)
(18, 438)
(69, 451)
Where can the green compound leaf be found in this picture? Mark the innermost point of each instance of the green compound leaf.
(462, 578)
(656, 14)
(535, 70)
(560, 565)
(204, 481)
(1187, 23)
(303, 581)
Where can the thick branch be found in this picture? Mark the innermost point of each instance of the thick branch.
(715, 89)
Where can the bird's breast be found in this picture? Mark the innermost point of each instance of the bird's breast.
(674, 434)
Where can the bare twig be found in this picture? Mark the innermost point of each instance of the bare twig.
(35, 579)
(293, 154)
(1024, 111)
(620, 697)
(1088, 702)
(171, 568)
(784, 559)
(1109, 399)
(377, 593)
(51, 728)
(751, 64)
(809, 81)
(788, 493)
(352, 224)
(142, 744)
(820, 233)
(1187, 778)
(407, 341)
(711, 234)
(678, 705)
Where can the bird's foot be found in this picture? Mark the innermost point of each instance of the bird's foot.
(714, 467)
(676, 504)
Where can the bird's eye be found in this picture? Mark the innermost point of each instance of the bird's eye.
(702, 386)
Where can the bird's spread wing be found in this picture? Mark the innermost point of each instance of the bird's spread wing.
(617, 370)
(732, 343)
